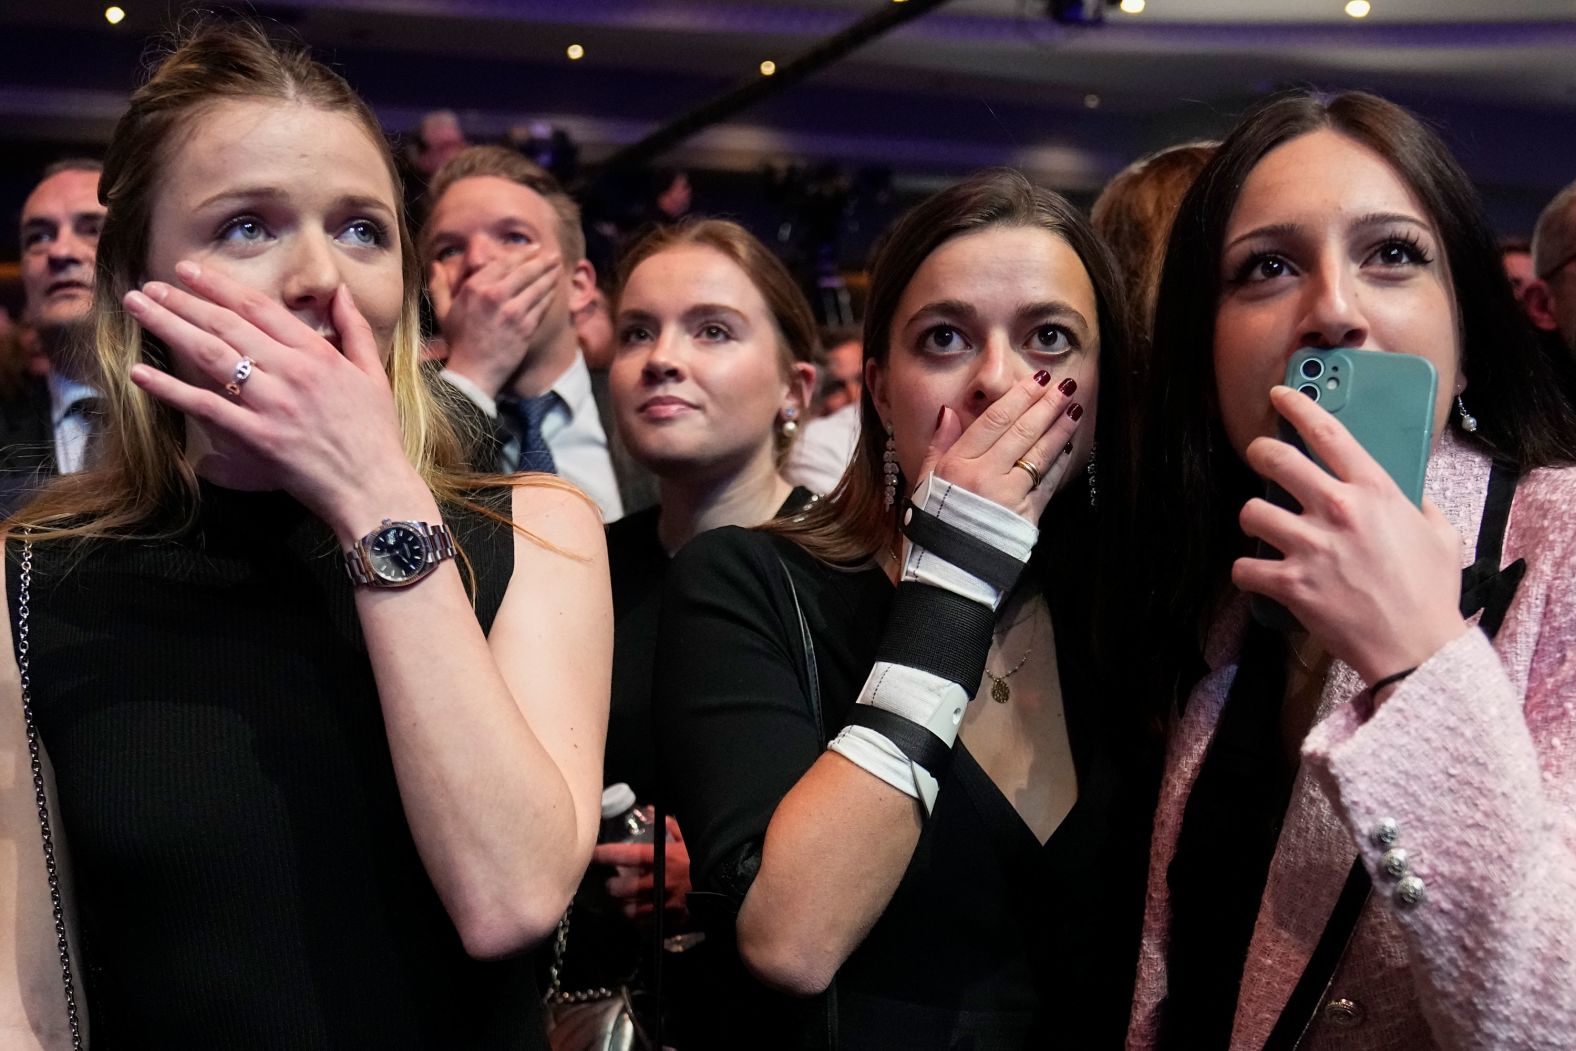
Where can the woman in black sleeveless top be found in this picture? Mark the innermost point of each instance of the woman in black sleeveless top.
(313, 772)
(881, 879)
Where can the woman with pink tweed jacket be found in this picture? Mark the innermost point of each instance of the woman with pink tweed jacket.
(1423, 726)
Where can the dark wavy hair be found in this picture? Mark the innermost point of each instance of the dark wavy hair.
(1194, 482)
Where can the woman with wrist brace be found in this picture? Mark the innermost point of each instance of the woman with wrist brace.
(316, 778)
(1366, 835)
(907, 803)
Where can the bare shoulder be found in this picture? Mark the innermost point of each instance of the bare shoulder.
(557, 517)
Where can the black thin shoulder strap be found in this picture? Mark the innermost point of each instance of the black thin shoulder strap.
(1484, 586)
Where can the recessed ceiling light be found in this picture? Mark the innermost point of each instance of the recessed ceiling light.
(114, 15)
(1358, 8)
(1132, 7)
(1092, 101)
(575, 52)
(768, 68)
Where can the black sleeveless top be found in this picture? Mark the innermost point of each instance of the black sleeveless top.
(244, 874)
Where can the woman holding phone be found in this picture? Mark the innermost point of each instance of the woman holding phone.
(320, 779)
(908, 804)
(1365, 835)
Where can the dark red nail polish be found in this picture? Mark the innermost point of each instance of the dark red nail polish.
(941, 414)
(1076, 412)
(1042, 377)
(1067, 386)
(1067, 450)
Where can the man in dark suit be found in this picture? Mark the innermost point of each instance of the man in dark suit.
(508, 275)
(46, 424)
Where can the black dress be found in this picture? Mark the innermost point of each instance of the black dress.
(604, 948)
(245, 877)
(992, 940)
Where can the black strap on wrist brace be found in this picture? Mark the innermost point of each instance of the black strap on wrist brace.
(964, 550)
(913, 740)
(937, 631)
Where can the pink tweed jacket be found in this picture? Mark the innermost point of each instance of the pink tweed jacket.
(1474, 759)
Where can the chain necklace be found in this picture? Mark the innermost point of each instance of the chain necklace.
(1000, 692)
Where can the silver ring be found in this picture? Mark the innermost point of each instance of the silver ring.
(242, 373)
(1034, 473)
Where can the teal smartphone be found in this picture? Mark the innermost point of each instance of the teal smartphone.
(1385, 400)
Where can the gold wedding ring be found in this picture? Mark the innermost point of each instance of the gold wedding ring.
(1034, 472)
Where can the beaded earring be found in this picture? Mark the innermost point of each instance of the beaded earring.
(790, 425)
(1093, 488)
(889, 469)
(1469, 422)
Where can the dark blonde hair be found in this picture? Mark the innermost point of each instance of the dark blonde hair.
(797, 338)
(142, 482)
(500, 162)
(1134, 214)
(853, 524)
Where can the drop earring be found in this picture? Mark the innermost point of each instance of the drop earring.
(1093, 489)
(889, 469)
(790, 425)
(1469, 422)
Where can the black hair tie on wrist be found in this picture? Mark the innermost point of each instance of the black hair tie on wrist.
(1370, 696)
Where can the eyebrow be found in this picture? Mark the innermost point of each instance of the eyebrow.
(692, 314)
(75, 217)
(1362, 222)
(274, 193)
(956, 308)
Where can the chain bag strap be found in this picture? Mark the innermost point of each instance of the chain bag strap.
(36, 758)
(600, 1019)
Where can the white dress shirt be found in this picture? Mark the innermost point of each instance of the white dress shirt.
(824, 450)
(573, 432)
(70, 428)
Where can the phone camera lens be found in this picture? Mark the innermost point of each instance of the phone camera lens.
(1310, 390)
(1312, 368)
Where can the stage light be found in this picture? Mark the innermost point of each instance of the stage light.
(1091, 101)
(575, 52)
(1132, 7)
(1358, 8)
(114, 15)
(768, 68)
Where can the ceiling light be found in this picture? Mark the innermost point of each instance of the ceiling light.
(1091, 101)
(768, 68)
(114, 15)
(1132, 7)
(1358, 8)
(575, 52)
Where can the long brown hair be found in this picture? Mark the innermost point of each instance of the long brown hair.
(853, 524)
(1195, 483)
(798, 340)
(141, 481)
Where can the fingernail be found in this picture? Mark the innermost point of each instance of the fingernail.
(157, 290)
(135, 301)
(1067, 450)
(941, 415)
(188, 270)
(1042, 377)
(1075, 413)
(1067, 386)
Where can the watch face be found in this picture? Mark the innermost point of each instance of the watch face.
(397, 553)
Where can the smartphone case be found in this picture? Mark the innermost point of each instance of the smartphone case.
(1386, 401)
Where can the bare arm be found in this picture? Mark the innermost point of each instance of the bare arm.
(497, 746)
(497, 742)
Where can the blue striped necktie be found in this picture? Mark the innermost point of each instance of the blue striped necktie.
(527, 415)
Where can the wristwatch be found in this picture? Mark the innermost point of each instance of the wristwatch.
(396, 554)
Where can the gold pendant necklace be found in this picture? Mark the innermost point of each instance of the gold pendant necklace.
(1000, 692)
